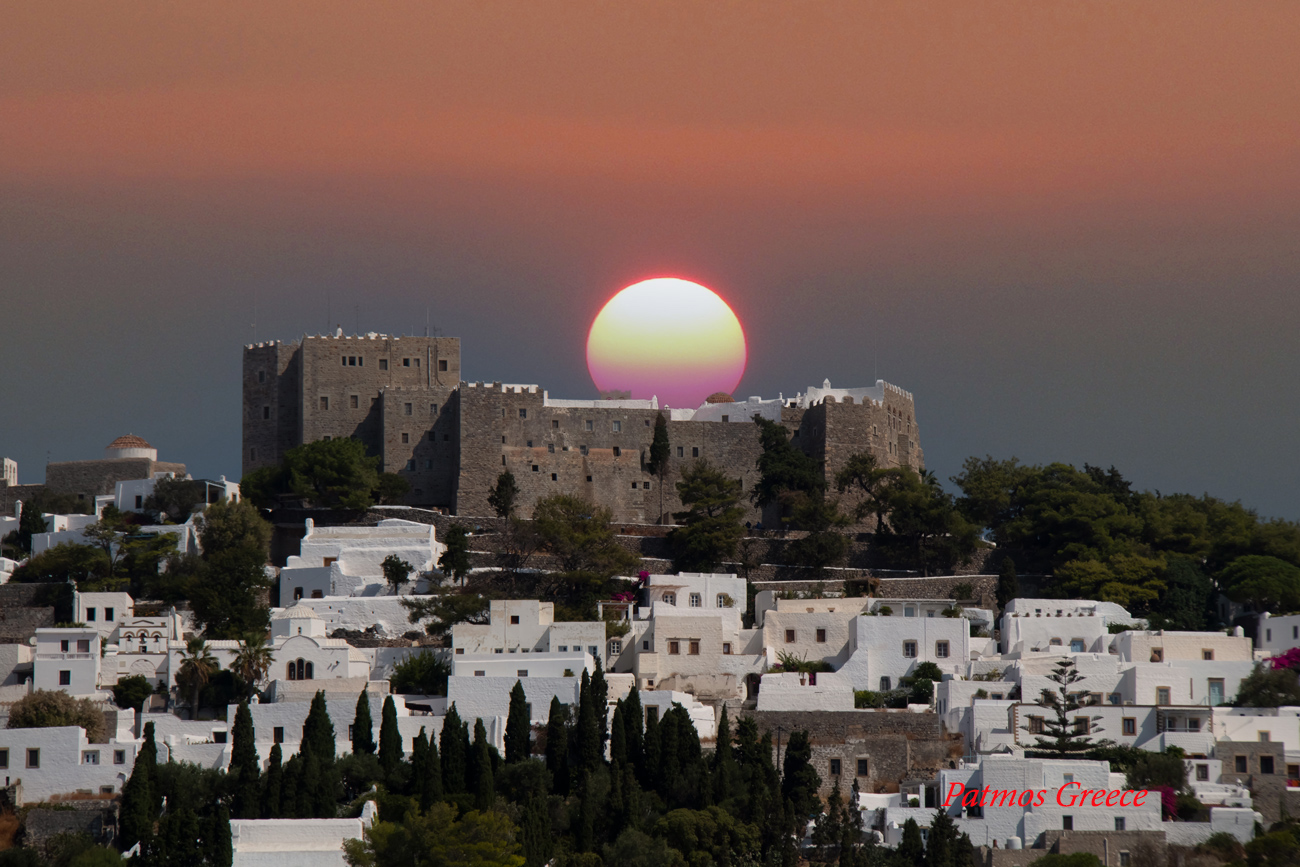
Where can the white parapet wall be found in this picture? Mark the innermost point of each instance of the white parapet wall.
(296, 842)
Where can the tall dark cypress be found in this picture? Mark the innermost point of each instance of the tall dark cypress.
(291, 787)
(431, 788)
(309, 784)
(670, 766)
(455, 759)
(536, 832)
(318, 729)
(634, 723)
(600, 703)
(725, 772)
(220, 851)
(245, 769)
(139, 795)
(557, 746)
(419, 763)
(650, 765)
(484, 785)
(588, 749)
(390, 738)
(274, 785)
(800, 780)
(618, 739)
(363, 726)
(519, 728)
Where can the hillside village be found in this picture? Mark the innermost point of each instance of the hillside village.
(203, 672)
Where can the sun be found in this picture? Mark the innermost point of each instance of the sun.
(666, 337)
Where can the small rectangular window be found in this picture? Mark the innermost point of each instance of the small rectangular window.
(1263, 737)
(139, 501)
(835, 767)
(406, 362)
(1207, 655)
(383, 364)
(1119, 823)
(696, 601)
(354, 401)
(618, 427)
(555, 477)
(1067, 823)
(90, 614)
(550, 448)
(1202, 773)
(277, 734)
(862, 767)
(1162, 696)
(589, 478)
(555, 424)
(1240, 765)
(674, 647)
(324, 404)
(406, 438)
(1124, 859)
(680, 451)
(941, 649)
(582, 450)
(344, 360)
(514, 619)
(789, 636)
(1036, 725)
(90, 757)
(1157, 654)
(4, 759)
(65, 678)
(726, 418)
(252, 454)
(408, 409)
(618, 452)
(695, 651)
(589, 424)
(1130, 726)
(536, 468)
(442, 364)
(480, 673)
(119, 757)
(821, 636)
(261, 376)
(83, 645)
(63, 646)
(521, 672)
(417, 362)
(909, 650)
(266, 412)
(695, 451)
(34, 758)
(1266, 764)
(726, 648)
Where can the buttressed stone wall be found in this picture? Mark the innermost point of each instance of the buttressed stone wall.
(403, 397)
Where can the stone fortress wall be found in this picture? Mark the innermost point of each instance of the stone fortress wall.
(404, 398)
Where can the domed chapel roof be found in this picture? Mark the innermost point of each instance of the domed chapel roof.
(130, 441)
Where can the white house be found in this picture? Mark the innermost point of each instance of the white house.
(1073, 625)
(50, 763)
(130, 495)
(347, 561)
(296, 842)
(527, 626)
(883, 650)
(67, 659)
(480, 684)
(103, 610)
(1276, 634)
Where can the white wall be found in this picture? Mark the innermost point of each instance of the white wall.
(52, 661)
(103, 610)
(296, 842)
(1277, 634)
(67, 762)
(824, 691)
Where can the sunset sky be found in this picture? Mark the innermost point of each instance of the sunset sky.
(1072, 230)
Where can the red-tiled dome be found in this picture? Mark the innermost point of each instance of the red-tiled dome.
(130, 441)
(719, 397)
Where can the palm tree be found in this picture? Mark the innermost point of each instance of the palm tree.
(196, 669)
(252, 661)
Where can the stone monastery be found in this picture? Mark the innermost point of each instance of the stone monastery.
(404, 397)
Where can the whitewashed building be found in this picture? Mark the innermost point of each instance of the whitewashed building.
(50, 763)
(348, 561)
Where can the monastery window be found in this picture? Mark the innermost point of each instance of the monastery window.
(417, 362)
(90, 757)
(634, 486)
(909, 650)
(480, 673)
(119, 757)
(555, 424)
(695, 451)
(266, 412)
(695, 601)
(1194, 724)
(1207, 655)
(83, 645)
(789, 636)
(909, 611)
(1130, 726)
(1082, 725)
(325, 405)
(582, 450)
(941, 649)
(674, 647)
(433, 409)
(514, 619)
(1157, 654)
(550, 447)
(1067, 823)
(1266, 764)
(615, 647)
(821, 636)
(1125, 860)
(618, 427)
(680, 451)
(618, 452)
(65, 678)
(261, 376)
(695, 648)
(406, 438)
(1263, 737)
(1268, 635)
(139, 501)
(406, 362)
(726, 648)
(277, 734)
(34, 758)
(1116, 699)
(1076, 645)
(554, 477)
(442, 364)
(64, 645)
(589, 424)
(252, 454)
(862, 767)
(651, 712)
(564, 648)
(835, 767)
(536, 468)
(90, 614)
(521, 672)
(589, 478)
(408, 409)
(1239, 765)
(1055, 642)
(796, 433)
(1202, 773)
(523, 413)
(428, 465)
(410, 465)
(383, 364)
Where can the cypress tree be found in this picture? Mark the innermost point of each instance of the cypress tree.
(536, 832)
(828, 833)
(618, 738)
(318, 730)
(244, 766)
(588, 750)
(651, 763)
(557, 746)
(431, 787)
(941, 846)
(419, 762)
(801, 781)
(363, 727)
(670, 767)
(309, 784)
(179, 839)
(139, 795)
(220, 850)
(851, 854)
(519, 727)
(484, 786)
(451, 740)
(291, 787)
(634, 723)
(390, 738)
(600, 703)
(274, 785)
(911, 849)
(584, 831)
(725, 772)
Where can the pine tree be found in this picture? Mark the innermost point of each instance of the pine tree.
(274, 785)
(451, 741)
(536, 832)
(363, 727)
(220, 851)
(557, 746)
(140, 796)
(1008, 583)
(431, 788)
(244, 766)
(318, 729)
(484, 786)
(519, 728)
(390, 738)
(1065, 735)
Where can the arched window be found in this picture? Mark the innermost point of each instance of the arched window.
(309, 672)
(293, 675)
